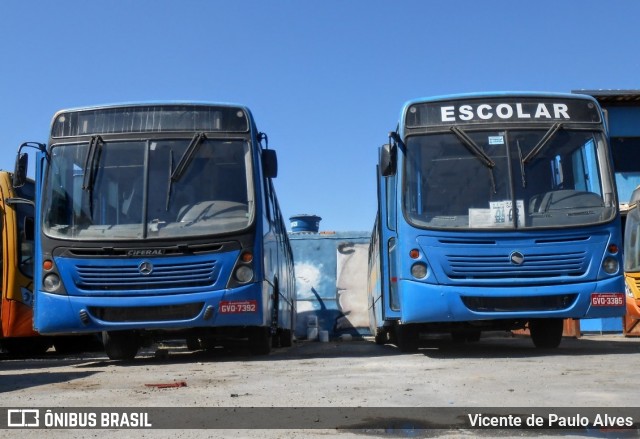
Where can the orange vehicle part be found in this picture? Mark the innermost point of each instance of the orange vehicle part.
(15, 306)
(631, 320)
(17, 319)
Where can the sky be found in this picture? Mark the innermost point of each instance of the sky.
(326, 80)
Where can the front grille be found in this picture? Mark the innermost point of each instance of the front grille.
(519, 304)
(535, 266)
(127, 276)
(147, 313)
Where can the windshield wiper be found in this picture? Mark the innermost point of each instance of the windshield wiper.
(542, 143)
(184, 161)
(473, 147)
(478, 152)
(91, 162)
(170, 183)
(524, 178)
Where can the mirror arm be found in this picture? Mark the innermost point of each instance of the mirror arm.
(17, 200)
(42, 147)
(263, 137)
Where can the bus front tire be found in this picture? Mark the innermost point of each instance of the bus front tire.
(408, 338)
(121, 345)
(260, 340)
(546, 333)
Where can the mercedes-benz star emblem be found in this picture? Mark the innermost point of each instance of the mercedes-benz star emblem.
(145, 268)
(516, 258)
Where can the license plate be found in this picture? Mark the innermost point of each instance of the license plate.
(607, 299)
(237, 307)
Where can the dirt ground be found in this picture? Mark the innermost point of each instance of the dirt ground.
(501, 370)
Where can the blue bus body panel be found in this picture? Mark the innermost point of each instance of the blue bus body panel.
(438, 303)
(175, 281)
(61, 314)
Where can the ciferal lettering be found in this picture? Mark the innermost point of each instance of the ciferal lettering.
(504, 111)
(146, 252)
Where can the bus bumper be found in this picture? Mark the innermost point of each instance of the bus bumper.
(424, 303)
(243, 306)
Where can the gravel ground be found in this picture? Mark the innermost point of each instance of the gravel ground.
(499, 371)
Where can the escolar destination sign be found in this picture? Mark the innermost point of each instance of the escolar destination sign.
(500, 110)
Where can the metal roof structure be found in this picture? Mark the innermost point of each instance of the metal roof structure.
(613, 97)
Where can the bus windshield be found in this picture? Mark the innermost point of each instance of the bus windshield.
(128, 189)
(509, 178)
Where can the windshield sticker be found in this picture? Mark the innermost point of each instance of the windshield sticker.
(499, 214)
(496, 140)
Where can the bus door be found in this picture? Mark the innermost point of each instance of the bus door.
(387, 208)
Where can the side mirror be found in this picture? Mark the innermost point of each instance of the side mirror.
(387, 160)
(20, 170)
(269, 163)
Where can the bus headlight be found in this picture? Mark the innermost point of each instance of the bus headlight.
(51, 282)
(419, 270)
(244, 274)
(610, 265)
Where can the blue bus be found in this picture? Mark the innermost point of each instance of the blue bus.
(161, 220)
(496, 212)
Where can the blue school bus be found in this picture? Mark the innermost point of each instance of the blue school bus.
(496, 212)
(160, 220)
